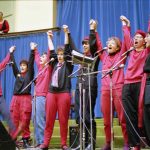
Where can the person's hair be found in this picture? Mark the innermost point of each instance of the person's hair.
(44, 53)
(23, 61)
(1, 13)
(85, 40)
(117, 41)
(61, 48)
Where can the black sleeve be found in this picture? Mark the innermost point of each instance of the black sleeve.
(68, 52)
(53, 55)
(31, 64)
(92, 42)
(147, 65)
(71, 43)
(69, 47)
(14, 65)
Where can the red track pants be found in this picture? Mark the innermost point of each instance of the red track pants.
(21, 107)
(105, 107)
(57, 102)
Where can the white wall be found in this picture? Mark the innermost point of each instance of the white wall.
(29, 14)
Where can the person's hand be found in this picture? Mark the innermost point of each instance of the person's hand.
(50, 34)
(12, 49)
(93, 24)
(125, 20)
(65, 28)
(33, 46)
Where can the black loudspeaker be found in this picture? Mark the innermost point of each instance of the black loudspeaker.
(6, 143)
(73, 136)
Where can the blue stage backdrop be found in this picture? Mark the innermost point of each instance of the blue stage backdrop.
(76, 14)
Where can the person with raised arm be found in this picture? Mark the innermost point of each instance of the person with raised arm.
(133, 89)
(58, 98)
(111, 101)
(4, 111)
(41, 90)
(89, 49)
(146, 96)
(21, 103)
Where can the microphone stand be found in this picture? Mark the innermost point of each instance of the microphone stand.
(90, 101)
(82, 91)
(111, 109)
(80, 99)
(110, 72)
(34, 118)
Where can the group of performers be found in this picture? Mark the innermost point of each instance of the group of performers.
(130, 90)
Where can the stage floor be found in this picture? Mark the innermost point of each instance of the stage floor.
(60, 149)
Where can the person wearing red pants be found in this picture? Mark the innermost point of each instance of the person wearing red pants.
(21, 107)
(113, 55)
(4, 111)
(58, 98)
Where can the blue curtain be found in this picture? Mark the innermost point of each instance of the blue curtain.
(22, 44)
(77, 13)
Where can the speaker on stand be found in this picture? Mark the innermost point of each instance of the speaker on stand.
(73, 136)
(6, 142)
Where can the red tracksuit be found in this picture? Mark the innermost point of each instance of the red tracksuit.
(2, 66)
(43, 79)
(132, 91)
(58, 100)
(117, 83)
(21, 105)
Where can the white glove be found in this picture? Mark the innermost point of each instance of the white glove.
(12, 49)
(33, 45)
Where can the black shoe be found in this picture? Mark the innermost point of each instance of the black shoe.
(26, 143)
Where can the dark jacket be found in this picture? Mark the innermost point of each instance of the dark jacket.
(23, 80)
(93, 68)
(64, 82)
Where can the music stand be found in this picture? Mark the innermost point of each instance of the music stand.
(85, 62)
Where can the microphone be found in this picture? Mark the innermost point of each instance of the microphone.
(103, 49)
(10, 63)
(113, 69)
(51, 60)
(128, 51)
(119, 67)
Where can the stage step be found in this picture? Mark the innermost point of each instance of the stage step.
(100, 141)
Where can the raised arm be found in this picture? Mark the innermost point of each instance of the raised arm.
(68, 46)
(31, 61)
(92, 37)
(67, 42)
(14, 65)
(36, 53)
(126, 32)
(51, 51)
(4, 62)
(95, 39)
